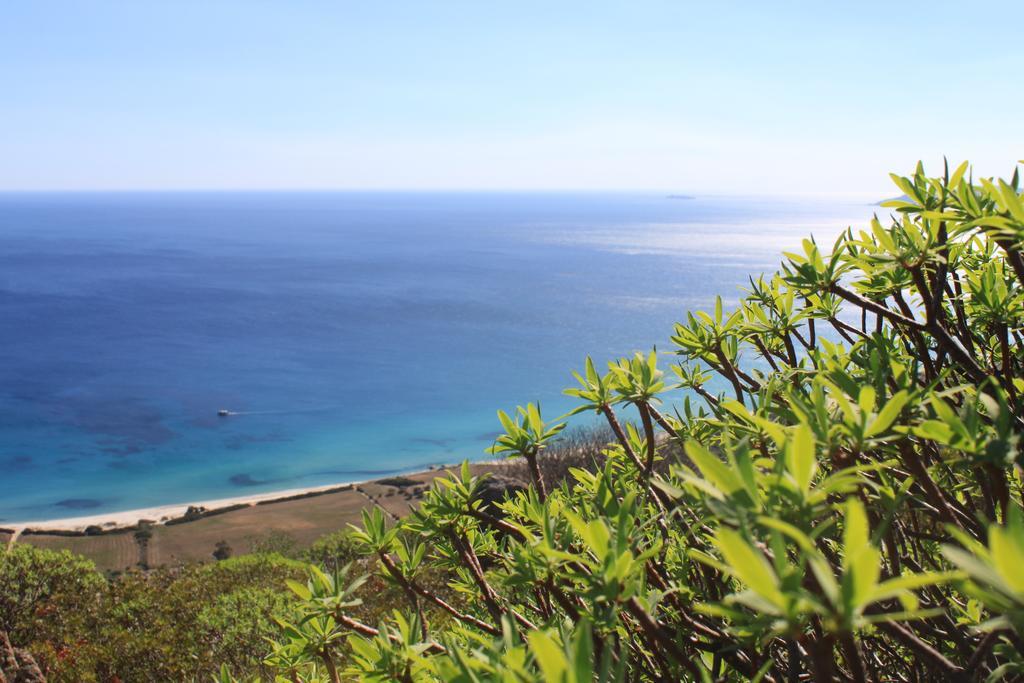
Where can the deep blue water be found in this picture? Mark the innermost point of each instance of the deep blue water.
(357, 333)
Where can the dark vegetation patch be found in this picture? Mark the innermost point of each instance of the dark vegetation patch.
(79, 503)
(246, 479)
(398, 482)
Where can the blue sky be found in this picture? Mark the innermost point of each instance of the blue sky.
(712, 97)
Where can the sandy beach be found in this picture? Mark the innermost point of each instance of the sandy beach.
(300, 515)
(162, 513)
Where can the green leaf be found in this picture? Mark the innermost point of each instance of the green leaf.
(506, 421)
(972, 564)
(861, 561)
(1012, 201)
(299, 589)
(866, 399)
(802, 458)
(934, 430)
(533, 415)
(1007, 557)
(548, 654)
(704, 485)
(958, 174)
(893, 587)
(592, 376)
(749, 566)
(713, 469)
(888, 414)
(855, 529)
(796, 535)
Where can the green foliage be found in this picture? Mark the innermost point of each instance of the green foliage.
(995, 571)
(398, 482)
(274, 542)
(47, 599)
(168, 624)
(837, 496)
(183, 624)
(221, 550)
(332, 551)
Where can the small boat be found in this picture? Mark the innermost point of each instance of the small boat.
(223, 412)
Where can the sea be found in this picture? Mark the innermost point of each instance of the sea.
(350, 335)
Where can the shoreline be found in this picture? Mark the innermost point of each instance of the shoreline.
(175, 512)
(161, 514)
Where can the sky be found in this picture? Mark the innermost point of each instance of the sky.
(712, 97)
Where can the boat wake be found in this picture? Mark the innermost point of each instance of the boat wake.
(224, 412)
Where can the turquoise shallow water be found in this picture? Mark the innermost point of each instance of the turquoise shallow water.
(357, 334)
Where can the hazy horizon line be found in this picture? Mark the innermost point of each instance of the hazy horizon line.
(667, 193)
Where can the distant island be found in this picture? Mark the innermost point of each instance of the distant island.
(901, 198)
(680, 196)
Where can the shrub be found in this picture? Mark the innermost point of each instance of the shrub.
(273, 541)
(580, 447)
(49, 603)
(397, 482)
(332, 551)
(163, 625)
(221, 550)
(848, 507)
(178, 625)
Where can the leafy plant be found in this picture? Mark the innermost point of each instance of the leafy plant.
(836, 496)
